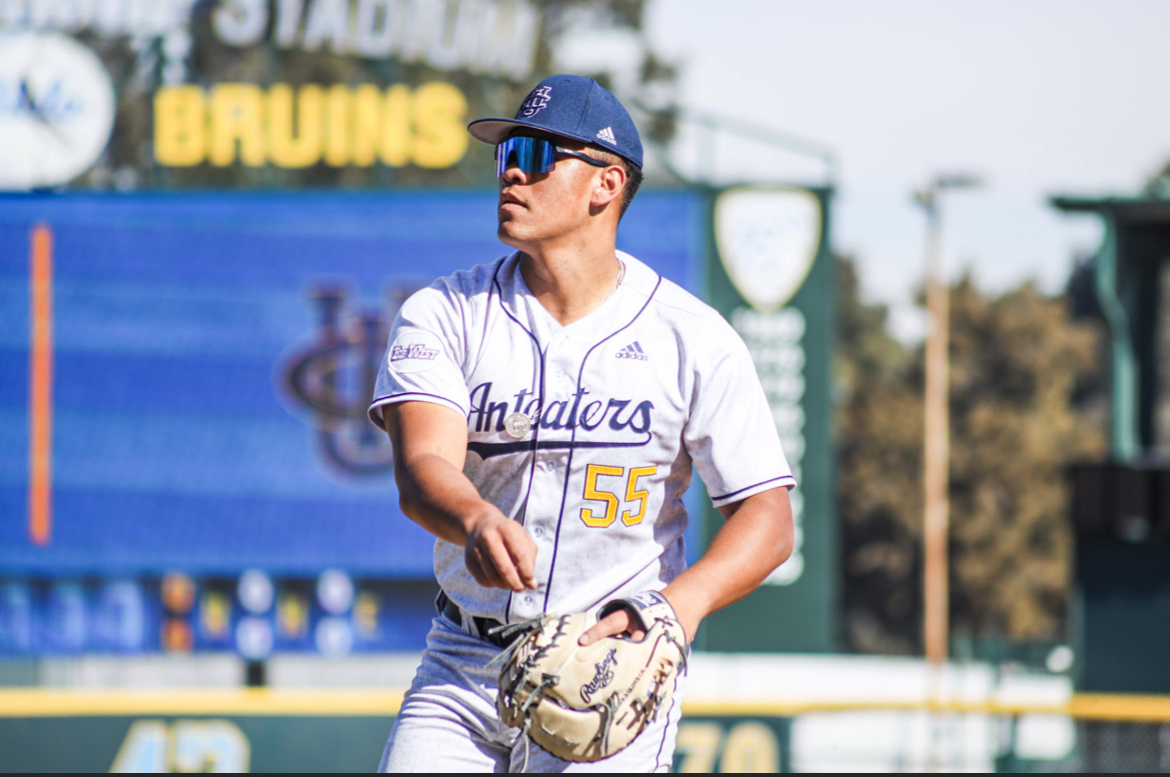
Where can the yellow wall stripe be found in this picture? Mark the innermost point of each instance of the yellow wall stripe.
(45, 702)
(37, 703)
(1102, 706)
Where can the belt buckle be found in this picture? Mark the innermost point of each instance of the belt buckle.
(484, 626)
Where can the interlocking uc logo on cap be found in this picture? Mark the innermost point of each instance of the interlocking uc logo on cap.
(584, 111)
(537, 99)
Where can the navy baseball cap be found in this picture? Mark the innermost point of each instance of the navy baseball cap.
(573, 107)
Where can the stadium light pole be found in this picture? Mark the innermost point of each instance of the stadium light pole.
(936, 448)
(710, 124)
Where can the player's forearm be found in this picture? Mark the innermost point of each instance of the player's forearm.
(440, 498)
(430, 446)
(756, 538)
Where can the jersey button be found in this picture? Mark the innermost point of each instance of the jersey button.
(538, 532)
(528, 600)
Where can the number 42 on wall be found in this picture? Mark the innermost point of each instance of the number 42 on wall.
(183, 746)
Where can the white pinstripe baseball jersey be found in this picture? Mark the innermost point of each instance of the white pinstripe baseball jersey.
(585, 433)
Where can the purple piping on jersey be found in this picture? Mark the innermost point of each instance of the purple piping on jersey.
(619, 586)
(487, 319)
(536, 438)
(748, 488)
(666, 727)
(573, 438)
(446, 402)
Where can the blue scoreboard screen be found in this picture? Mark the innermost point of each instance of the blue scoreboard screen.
(184, 377)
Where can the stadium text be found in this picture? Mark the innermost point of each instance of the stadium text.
(291, 127)
(483, 37)
(496, 37)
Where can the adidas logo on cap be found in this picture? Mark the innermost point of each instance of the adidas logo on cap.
(632, 351)
(607, 135)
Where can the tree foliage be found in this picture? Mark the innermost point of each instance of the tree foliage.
(1018, 419)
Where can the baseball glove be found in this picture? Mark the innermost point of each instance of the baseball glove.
(587, 703)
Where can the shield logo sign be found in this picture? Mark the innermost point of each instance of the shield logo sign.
(767, 238)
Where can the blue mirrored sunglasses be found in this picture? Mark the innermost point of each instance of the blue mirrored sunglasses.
(535, 155)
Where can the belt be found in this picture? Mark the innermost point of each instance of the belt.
(484, 626)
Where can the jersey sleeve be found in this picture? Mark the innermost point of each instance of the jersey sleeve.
(730, 434)
(425, 354)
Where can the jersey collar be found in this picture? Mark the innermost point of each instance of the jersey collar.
(629, 298)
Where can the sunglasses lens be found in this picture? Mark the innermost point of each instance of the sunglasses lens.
(531, 155)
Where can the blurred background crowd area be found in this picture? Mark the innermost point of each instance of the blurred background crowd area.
(211, 210)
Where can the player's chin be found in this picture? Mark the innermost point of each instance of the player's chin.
(511, 233)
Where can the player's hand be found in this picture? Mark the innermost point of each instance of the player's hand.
(617, 622)
(500, 554)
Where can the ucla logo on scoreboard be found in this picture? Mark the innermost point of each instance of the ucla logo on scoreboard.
(330, 382)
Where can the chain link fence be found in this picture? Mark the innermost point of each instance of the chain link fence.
(1104, 746)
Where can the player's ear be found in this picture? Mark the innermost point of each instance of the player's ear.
(610, 182)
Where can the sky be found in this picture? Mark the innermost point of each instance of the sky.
(1036, 97)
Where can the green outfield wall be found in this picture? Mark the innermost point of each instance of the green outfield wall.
(287, 731)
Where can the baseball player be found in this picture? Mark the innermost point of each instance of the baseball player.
(546, 411)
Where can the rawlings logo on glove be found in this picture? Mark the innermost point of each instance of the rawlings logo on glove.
(603, 677)
(587, 703)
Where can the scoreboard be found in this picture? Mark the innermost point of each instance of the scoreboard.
(183, 386)
(210, 359)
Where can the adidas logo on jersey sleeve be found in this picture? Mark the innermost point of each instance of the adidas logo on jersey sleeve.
(607, 135)
(632, 351)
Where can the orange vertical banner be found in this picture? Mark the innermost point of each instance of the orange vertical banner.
(40, 394)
